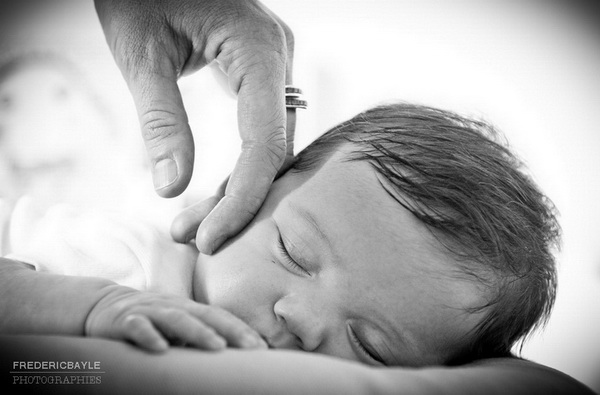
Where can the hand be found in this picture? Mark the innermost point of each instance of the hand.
(156, 42)
(152, 321)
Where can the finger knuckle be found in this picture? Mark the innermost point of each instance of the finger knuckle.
(203, 311)
(247, 207)
(206, 331)
(265, 39)
(158, 125)
(275, 33)
(289, 37)
(173, 314)
(271, 150)
(218, 311)
(257, 66)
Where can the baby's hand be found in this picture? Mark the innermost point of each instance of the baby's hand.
(153, 321)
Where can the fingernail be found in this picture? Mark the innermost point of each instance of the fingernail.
(207, 247)
(202, 247)
(161, 345)
(250, 341)
(165, 173)
(262, 344)
(217, 343)
(189, 237)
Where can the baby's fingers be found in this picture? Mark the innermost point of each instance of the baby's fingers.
(181, 328)
(234, 330)
(140, 331)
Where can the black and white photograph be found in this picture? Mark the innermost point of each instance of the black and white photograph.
(299, 197)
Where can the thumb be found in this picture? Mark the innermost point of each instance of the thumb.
(164, 127)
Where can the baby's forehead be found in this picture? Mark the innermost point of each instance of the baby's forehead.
(350, 200)
(354, 182)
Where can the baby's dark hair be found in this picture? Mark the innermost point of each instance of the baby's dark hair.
(458, 176)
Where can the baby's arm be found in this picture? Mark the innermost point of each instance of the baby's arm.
(41, 303)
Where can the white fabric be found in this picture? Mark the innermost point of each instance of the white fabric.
(130, 251)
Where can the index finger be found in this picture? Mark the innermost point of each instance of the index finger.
(261, 120)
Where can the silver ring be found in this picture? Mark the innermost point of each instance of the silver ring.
(294, 97)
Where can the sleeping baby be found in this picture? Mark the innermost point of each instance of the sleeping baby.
(405, 236)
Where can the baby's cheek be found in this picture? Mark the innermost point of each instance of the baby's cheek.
(223, 280)
(237, 278)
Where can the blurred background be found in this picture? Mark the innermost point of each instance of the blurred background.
(69, 132)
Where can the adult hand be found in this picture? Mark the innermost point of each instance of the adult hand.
(154, 43)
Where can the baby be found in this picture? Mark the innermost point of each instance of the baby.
(405, 236)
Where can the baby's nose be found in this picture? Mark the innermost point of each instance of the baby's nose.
(301, 322)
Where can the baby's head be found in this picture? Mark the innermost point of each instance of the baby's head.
(407, 234)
